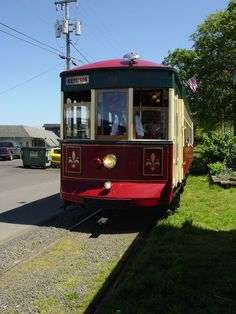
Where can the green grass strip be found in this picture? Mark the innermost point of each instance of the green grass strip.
(188, 265)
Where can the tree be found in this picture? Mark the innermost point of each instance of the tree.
(213, 60)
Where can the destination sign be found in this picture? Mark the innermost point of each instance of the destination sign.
(77, 80)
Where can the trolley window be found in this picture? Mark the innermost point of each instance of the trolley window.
(77, 114)
(111, 113)
(151, 114)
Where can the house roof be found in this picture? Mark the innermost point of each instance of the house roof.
(51, 125)
(23, 131)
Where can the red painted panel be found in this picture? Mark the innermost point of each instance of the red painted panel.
(141, 194)
(73, 164)
(153, 161)
(143, 173)
(187, 158)
(134, 162)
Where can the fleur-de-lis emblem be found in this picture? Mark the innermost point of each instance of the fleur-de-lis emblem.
(73, 159)
(153, 162)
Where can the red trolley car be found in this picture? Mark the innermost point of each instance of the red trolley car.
(127, 134)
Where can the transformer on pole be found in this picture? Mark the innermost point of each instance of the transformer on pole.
(65, 27)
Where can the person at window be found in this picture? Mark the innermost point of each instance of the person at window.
(115, 126)
(154, 130)
(139, 126)
(119, 123)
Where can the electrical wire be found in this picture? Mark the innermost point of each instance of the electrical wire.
(32, 12)
(82, 55)
(29, 80)
(107, 36)
(56, 51)
(28, 42)
(29, 37)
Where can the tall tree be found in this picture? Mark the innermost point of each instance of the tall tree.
(213, 60)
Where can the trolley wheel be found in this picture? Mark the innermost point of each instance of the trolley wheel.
(178, 200)
(173, 204)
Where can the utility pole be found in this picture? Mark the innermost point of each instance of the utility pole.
(65, 27)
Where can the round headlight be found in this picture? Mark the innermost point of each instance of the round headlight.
(109, 161)
(108, 185)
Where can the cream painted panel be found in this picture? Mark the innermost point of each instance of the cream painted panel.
(92, 114)
(180, 137)
(62, 116)
(130, 114)
(171, 114)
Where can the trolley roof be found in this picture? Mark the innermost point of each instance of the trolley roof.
(120, 73)
(119, 63)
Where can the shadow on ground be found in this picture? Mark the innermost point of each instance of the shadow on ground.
(179, 270)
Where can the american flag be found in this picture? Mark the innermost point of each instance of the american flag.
(193, 83)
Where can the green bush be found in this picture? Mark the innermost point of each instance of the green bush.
(218, 148)
(217, 168)
(198, 167)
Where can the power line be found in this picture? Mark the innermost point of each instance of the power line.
(27, 36)
(82, 55)
(32, 12)
(29, 80)
(28, 42)
(33, 44)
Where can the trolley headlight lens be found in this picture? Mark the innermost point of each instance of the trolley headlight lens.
(109, 161)
(107, 185)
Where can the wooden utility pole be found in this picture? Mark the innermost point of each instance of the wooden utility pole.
(63, 27)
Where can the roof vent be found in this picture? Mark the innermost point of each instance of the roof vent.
(132, 57)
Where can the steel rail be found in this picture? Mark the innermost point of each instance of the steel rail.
(39, 250)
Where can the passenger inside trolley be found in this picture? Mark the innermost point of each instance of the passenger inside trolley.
(150, 114)
(112, 113)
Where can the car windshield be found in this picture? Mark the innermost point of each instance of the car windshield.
(57, 151)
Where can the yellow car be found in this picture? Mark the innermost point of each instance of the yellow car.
(55, 157)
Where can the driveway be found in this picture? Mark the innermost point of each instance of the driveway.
(27, 197)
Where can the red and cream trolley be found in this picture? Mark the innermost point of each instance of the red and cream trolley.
(127, 134)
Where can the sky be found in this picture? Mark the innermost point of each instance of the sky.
(30, 64)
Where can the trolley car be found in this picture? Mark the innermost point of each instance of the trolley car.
(127, 134)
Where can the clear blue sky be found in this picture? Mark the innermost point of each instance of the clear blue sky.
(30, 82)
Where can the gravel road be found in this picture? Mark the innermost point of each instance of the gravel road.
(65, 277)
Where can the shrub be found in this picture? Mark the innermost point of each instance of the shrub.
(217, 148)
(217, 168)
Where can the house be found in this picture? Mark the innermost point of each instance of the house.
(29, 136)
(54, 127)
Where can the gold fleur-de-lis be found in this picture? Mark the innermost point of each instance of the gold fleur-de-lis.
(73, 160)
(153, 162)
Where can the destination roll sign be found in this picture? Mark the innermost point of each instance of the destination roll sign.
(77, 80)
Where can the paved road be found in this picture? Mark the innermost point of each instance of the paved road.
(27, 197)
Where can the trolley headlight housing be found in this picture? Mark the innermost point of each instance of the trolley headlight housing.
(109, 161)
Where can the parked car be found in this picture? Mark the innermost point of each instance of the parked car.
(9, 150)
(55, 157)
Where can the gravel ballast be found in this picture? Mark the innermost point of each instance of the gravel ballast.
(65, 277)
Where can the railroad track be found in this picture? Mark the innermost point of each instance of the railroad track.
(127, 229)
(97, 305)
(51, 242)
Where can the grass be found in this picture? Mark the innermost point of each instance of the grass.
(188, 265)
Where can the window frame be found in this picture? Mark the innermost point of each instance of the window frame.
(112, 137)
(86, 104)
